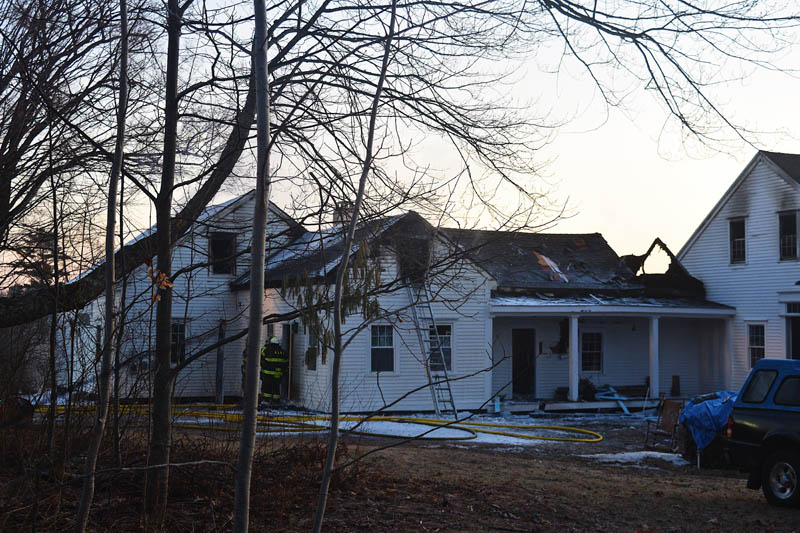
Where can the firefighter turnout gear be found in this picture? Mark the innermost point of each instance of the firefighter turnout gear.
(274, 364)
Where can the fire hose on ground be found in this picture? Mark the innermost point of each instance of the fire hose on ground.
(284, 423)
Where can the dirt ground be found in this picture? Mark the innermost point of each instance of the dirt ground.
(554, 487)
(417, 486)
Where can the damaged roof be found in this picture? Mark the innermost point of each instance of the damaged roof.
(319, 252)
(519, 260)
(643, 304)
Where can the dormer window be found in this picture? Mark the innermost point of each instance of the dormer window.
(221, 252)
(737, 241)
(787, 235)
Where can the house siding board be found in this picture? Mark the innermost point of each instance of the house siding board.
(752, 288)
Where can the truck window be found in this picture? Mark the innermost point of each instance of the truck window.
(789, 391)
(759, 386)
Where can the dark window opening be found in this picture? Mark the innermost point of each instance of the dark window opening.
(221, 251)
(737, 241)
(382, 349)
(177, 347)
(592, 351)
(755, 342)
(313, 349)
(444, 351)
(787, 235)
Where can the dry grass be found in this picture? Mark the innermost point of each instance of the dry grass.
(417, 487)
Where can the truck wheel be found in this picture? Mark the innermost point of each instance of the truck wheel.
(779, 478)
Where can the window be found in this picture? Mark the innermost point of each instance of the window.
(789, 392)
(755, 342)
(787, 235)
(382, 349)
(592, 351)
(737, 241)
(221, 252)
(759, 386)
(177, 347)
(312, 350)
(445, 334)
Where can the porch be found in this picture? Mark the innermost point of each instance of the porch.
(660, 346)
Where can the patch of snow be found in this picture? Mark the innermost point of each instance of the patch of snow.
(638, 457)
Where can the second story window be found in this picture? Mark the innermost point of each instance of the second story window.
(787, 235)
(737, 241)
(221, 252)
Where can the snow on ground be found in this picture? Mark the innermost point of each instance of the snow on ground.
(638, 457)
(407, 428)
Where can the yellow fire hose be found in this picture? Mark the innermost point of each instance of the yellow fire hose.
(309, 423)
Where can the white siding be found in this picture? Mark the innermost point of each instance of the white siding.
(460, 301)
(202, 299)
(752, 288)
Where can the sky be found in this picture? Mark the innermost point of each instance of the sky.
(627, 172)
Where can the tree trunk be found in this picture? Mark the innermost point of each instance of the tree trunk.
(244, 463)
(158, 478)
(333, 436)
(103, 387)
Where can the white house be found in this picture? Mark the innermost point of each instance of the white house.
(746, 253)
(205, 261)
(525, 315)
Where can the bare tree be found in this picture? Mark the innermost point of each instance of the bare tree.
(103, 389)
(244, 464)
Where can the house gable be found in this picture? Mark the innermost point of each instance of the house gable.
(784, 166)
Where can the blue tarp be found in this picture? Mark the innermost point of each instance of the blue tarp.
(707, 418)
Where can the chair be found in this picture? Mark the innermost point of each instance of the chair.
(669, 411)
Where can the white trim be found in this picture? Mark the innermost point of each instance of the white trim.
(395, 351)
(583, 332)
(748, 323)
(731, 220)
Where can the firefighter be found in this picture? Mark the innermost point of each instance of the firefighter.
(273, 365)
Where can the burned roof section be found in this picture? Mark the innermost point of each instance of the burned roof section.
(545, 261)
(320, 252)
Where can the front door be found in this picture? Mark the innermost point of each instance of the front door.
(523, 363)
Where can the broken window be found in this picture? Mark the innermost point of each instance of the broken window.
(592, 351)
(445, 351)
(755, 342)
(787, 235)
(382, 353)
(737, 243)
(221, 252)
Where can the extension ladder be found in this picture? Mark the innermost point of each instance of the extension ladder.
(428, 334)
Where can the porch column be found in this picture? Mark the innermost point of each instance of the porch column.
(574, 361)
(727, 354)
(654, 389)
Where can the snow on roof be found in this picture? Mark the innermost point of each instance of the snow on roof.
(601, 300)
(319, 252)
(207, 213)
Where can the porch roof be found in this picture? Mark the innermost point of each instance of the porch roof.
(598, 304)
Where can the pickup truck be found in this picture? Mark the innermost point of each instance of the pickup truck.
(763, 432)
